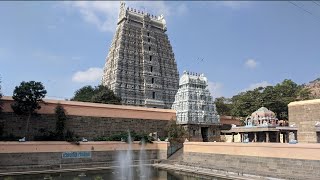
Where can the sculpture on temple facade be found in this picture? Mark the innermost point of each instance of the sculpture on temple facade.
(195, 108)
(140, 67)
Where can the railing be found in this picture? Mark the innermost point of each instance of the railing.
(174, 148)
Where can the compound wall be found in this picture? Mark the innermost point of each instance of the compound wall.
(89, 120)
(289, 161)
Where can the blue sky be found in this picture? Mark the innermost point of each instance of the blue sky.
(242, 44)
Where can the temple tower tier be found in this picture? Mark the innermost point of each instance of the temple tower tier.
(196, 111)
(140, 67)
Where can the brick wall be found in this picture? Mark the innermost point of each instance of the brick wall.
(87, 120)
(305, 114)
(84, 126)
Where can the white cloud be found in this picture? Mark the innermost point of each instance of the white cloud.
(104, 14)
(256, 85)
(215, 89)
(251, 63)
(90, 75)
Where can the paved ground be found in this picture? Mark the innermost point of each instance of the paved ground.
(171, 165)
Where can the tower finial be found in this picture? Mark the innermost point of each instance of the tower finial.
(122, 10)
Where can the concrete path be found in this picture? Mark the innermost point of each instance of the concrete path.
(211, 172)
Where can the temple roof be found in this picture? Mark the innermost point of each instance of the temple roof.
(193, 78)
(263, 112)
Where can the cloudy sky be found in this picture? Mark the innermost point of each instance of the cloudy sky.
(237, 45)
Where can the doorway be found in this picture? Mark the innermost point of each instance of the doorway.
(204, 134)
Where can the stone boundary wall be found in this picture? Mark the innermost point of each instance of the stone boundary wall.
(75, 108)
(89, 120)
(48, 155)
(289, 161)
(305, 115)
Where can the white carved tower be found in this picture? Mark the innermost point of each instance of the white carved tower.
(140, 67)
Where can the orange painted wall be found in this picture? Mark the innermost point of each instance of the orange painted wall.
(276, 150)
(61, 146)
(99, 110)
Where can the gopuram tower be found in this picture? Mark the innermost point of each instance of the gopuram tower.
(196, 111)
(140, 67)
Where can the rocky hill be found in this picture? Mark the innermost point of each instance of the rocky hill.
(314, 87)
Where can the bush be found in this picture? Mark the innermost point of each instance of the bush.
(71, 137)
(11, 137)
(124, 136)
(176, 132)
(44, 135)
(60, 122)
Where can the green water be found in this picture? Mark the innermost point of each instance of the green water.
(111, 174)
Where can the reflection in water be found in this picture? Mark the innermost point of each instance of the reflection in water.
(112, 174)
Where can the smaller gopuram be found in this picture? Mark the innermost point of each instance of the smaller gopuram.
(196, 111)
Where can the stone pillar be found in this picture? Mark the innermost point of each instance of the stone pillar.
(232, 137)
(255, 137)
(267, 137)
(287, 137)
(295, 135)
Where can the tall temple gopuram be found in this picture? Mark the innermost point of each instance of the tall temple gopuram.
(140, 67)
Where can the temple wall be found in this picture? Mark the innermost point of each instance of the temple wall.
(289, 161)
(88, 120)
(26, 156)
(305, 114)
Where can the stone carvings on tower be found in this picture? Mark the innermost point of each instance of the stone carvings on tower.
(193, 101)
(140, 67)
(195, 108)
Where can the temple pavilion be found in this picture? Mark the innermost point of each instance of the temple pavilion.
(262, 126)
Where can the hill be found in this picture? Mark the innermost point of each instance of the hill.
(314, 87)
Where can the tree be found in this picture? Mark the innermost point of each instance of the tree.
(26, 98)
(84, 94)
(60, 122)
(245, 103)
(0, 98)
(224, 106)
(276, 98)
(176, 132)
(105, 95)
(98, 94)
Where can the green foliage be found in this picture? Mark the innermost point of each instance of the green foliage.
(0, 98)
(71, 137)
(98, 94)
(10, 137)
(8, 178)
(45, 135)
(26, 99)
(276, 98)
(98, 178)
(124, 137)
(60, 121)
(105, 95)
(84, 94)
(176, 132)
(223, 105)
